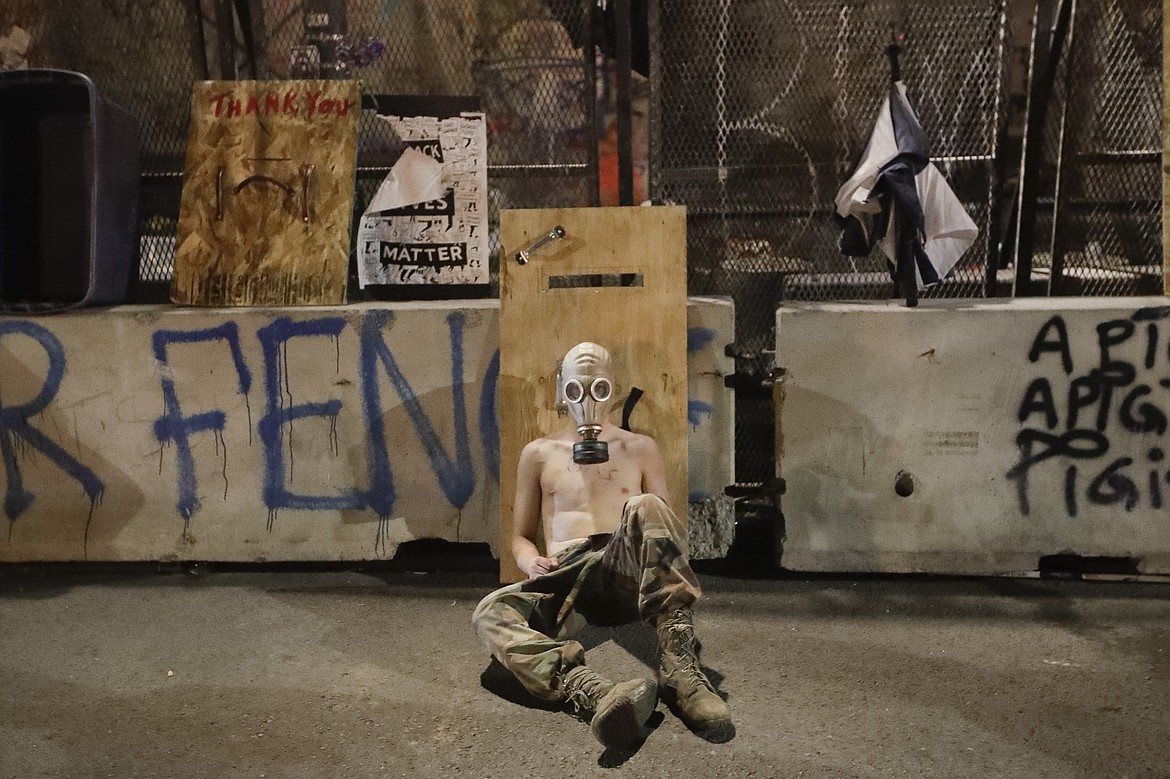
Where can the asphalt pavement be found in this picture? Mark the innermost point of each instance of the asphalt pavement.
(266, 672)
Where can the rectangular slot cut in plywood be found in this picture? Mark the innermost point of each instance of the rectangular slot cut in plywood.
(267, 194)
(617, 278)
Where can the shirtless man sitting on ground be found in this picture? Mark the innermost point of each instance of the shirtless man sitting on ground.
(615, 554)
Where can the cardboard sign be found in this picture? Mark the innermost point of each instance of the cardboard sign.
(267, 194)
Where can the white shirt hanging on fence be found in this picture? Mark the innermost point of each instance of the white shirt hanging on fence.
(898, 142)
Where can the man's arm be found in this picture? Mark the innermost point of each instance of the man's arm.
(526, 514)
(653, 469)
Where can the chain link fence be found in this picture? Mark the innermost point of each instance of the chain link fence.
(761, 109)
(1103, 151)
(764, 106)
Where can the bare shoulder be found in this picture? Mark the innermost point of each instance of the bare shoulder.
(535, 453)
(639, 439)
(638, 444)
(538, 449)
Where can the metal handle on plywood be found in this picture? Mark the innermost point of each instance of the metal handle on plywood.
(555, 234)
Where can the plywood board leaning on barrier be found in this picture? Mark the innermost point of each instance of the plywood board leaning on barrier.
(617, 277)
(267, 194)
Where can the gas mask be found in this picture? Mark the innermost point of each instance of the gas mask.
(585, 388)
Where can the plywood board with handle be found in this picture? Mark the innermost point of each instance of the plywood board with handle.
(617, 278)
(267, 194)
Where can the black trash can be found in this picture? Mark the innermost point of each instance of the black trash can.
(69, 175)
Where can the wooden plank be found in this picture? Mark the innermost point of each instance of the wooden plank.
(643, 327)
(267, 193)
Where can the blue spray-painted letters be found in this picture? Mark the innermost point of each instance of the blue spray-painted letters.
(489, 421)
(456, 477)
(14, 424)
(273, 339)
(172, 426)
(698, 338)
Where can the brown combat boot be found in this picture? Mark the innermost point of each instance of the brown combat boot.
(684, 686)
(619, 711)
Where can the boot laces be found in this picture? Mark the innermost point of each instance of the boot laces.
(683, 644)
(584, 689)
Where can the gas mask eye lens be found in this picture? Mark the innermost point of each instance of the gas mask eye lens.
(601, 389)
(574, 391)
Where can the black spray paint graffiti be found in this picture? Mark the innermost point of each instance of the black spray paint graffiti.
(1123, 393)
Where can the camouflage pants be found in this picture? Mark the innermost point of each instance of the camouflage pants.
(639, 572)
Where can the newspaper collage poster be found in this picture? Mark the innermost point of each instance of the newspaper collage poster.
(442, 239)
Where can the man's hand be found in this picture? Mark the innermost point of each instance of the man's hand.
(542, 565)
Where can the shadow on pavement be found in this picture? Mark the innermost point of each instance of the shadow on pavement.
(499, 681)
(615, 758)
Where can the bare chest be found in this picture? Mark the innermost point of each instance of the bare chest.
(590, 488)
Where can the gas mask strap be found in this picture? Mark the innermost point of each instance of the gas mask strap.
(628, 408)
(561, 407)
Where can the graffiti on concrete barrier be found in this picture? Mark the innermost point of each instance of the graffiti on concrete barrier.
(455, 473)
(1071, 414)
(17, 432)
(183, 421)
(281, 413)
(174, 428)
(456, 476)
(698, 338)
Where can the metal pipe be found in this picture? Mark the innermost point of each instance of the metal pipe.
(1052, 21)
(589, 100)
(225, 35)
(624, 102)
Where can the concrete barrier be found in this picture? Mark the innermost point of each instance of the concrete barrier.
(163, 433)
(975, 436)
